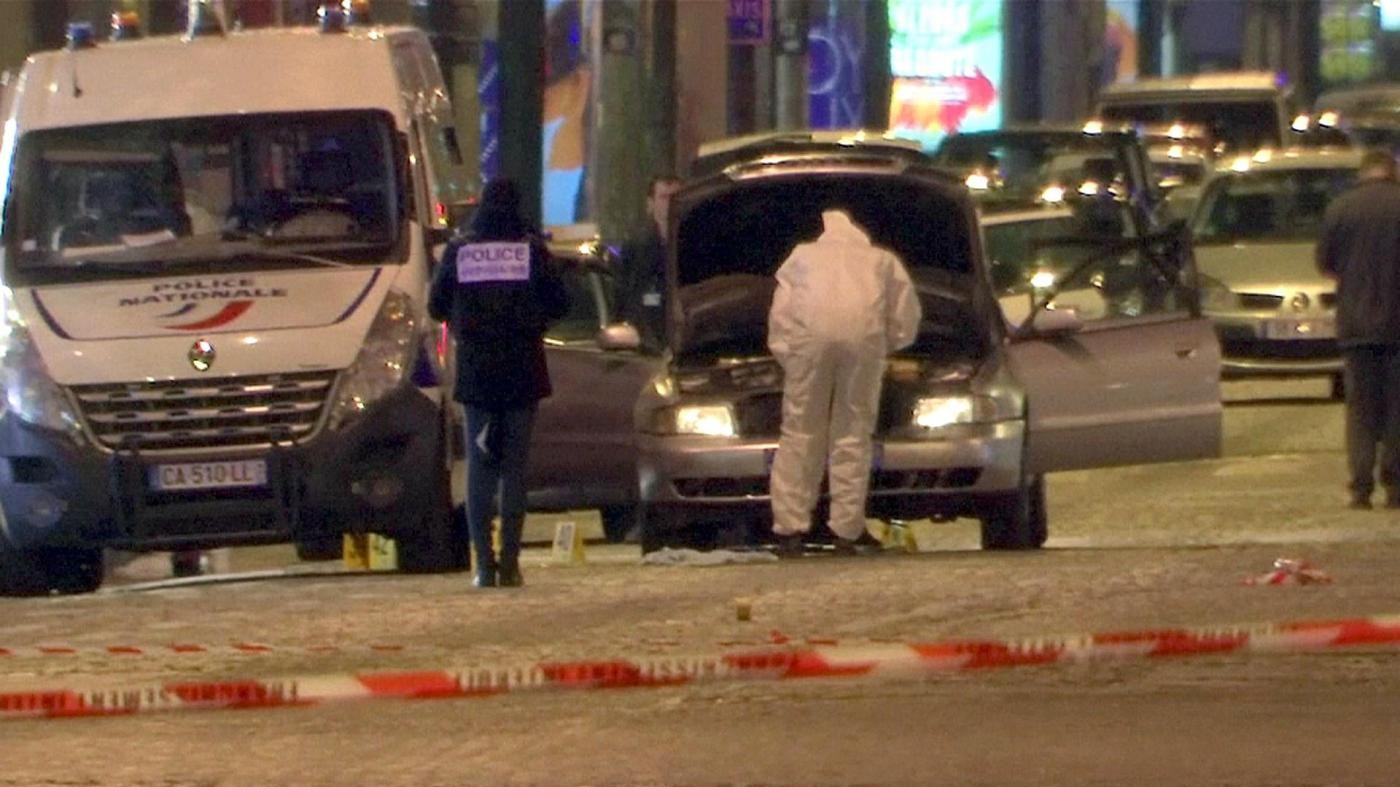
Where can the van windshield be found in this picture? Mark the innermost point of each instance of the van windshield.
(1239, 125)
(271, 190)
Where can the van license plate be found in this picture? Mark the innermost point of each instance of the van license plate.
(208, 475)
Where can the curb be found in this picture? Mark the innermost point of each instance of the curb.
(892, 661)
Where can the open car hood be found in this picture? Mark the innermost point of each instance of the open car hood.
(732, 231)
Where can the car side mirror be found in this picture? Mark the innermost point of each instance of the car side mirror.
(619, 336)
(1056, 322)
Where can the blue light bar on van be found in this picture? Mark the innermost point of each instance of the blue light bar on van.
(81, 35)
(333, 18)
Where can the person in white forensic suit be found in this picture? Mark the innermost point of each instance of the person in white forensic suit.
(841, 305)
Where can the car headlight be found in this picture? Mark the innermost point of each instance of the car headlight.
(30, 393)
(384, 360)
(709, 420)
(936, 412)
(1216, 297)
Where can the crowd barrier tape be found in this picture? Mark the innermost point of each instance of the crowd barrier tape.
(891, 660)
(8, 652)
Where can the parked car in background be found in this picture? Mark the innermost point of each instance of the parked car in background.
(1055, 165)
(583, 453)
(1243, 110)
(1366, 116)
(1254, 231)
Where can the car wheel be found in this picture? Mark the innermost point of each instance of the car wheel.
(1016, 520)
(37, 572)
(1339, 388)
(439, 542)
(619, 522)
(659, 527)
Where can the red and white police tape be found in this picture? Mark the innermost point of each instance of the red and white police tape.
(182, 649)
(837, 661)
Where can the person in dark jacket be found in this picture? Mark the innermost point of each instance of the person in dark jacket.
(641, 297)
(499, 291)
(1360, 247)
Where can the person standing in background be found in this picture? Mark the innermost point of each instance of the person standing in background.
(1360, 248)
(641, 291)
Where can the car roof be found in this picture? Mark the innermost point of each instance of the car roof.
(1105, 129)
(1197, 84)
(1018, 215)
(1294, 158)
(713, 157)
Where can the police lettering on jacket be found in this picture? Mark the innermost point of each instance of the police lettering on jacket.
(478, 263)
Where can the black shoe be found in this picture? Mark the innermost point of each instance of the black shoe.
(486, 576)
(845, 547)
(510, 575)
(789, 546)
(1360, 503)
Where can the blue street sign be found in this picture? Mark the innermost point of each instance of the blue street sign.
(748, 21)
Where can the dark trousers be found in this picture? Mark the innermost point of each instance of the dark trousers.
(496, 463)
(1373, 416)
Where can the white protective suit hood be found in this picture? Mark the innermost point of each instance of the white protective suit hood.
(841, 287)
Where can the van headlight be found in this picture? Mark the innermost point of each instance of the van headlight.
(709, 420)
(384, 360)
(30, 393)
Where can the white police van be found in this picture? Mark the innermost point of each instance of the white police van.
(216, 251)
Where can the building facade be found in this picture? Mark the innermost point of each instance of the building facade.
(584, 100)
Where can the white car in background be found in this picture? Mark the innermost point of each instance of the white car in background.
(1255, 229)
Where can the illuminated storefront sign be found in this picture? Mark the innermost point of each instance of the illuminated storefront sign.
(946, 60)
(1122, 21)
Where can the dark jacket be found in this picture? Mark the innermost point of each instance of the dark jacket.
(641, 289)
(499, 324)
(1360, 245)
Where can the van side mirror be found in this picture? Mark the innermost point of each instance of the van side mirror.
(619, 336)
(458, 214)
(1056, 322)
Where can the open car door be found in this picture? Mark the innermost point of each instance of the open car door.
(1118, 365)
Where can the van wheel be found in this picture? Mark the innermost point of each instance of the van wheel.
(38, 572)
(1016, 520)
(619, 522)
(439, 543)
(321, 547)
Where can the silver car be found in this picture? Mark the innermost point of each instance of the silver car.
(973, 415)
(1255, 230)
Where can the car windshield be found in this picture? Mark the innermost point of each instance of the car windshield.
(1048, 167)
(1174, 172)
(1017, 259)
(88, 200)
(1280, 205)
(1239, 125)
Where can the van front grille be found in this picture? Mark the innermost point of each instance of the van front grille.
(181, 414)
